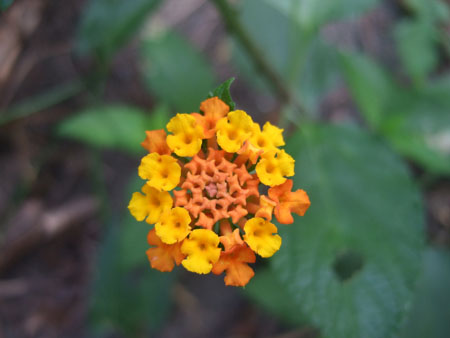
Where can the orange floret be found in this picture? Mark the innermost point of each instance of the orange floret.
(234, 262)
(229, 238)
(155, 142)
(213, 109)
(266, 208)
(163, 256)
(288, 202)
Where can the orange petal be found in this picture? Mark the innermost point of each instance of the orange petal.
(248, 152)
(266, 208)
(238, 273)
(214, 109)
(155, 142)
(163, 257)
(288, 202)
(231, 240)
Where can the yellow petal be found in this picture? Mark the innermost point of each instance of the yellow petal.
(158, 203)
(261, 237)
(234, 130)
(273, 168)
(162, 172)
(138, 206)
(173, 225)
(274, 134)
(202, 251)
(187, 135)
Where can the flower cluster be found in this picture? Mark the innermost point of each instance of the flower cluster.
(203, 192)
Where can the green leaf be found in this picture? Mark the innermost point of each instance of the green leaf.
(431, 309)
(371, 86)
(107, 24)
(305, 62)
(116, 126)
(417, 47)
(175, 72)
(414, 121)
(223, 93)
(351, 262)
(420, 130)
(267, 291)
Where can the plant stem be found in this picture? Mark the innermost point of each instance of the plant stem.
(283, 92)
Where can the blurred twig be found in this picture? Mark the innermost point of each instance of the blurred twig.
(34, 227)
(230, 18)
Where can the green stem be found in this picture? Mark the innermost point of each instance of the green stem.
(233, 25)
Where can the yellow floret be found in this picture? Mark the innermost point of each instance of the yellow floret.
(162, 172)
(268, 139)
(149, 205)
(234, 130)
(274, 167)
(202, 251)
(187, 135)
(173, 225)
(261, 237)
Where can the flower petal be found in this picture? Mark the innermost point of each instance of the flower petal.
(202, 251)
(260, 235)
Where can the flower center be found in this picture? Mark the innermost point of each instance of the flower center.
(232, 134)
(270, 168)
(215, 189)
(211, 190)
(187, 138)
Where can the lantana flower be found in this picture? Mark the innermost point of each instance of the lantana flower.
(203, 191)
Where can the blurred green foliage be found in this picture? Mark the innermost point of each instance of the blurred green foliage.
(4, 4)
(352, 265)
(115, 126)
(414, 120)
(108, 24)
(127, 296)
(176, 72)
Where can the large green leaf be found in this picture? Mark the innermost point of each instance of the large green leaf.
(350, 264)
(115, 126)
(415, 121)
(107, 24)
(431, 309)
(267, 291)
(176, 72)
